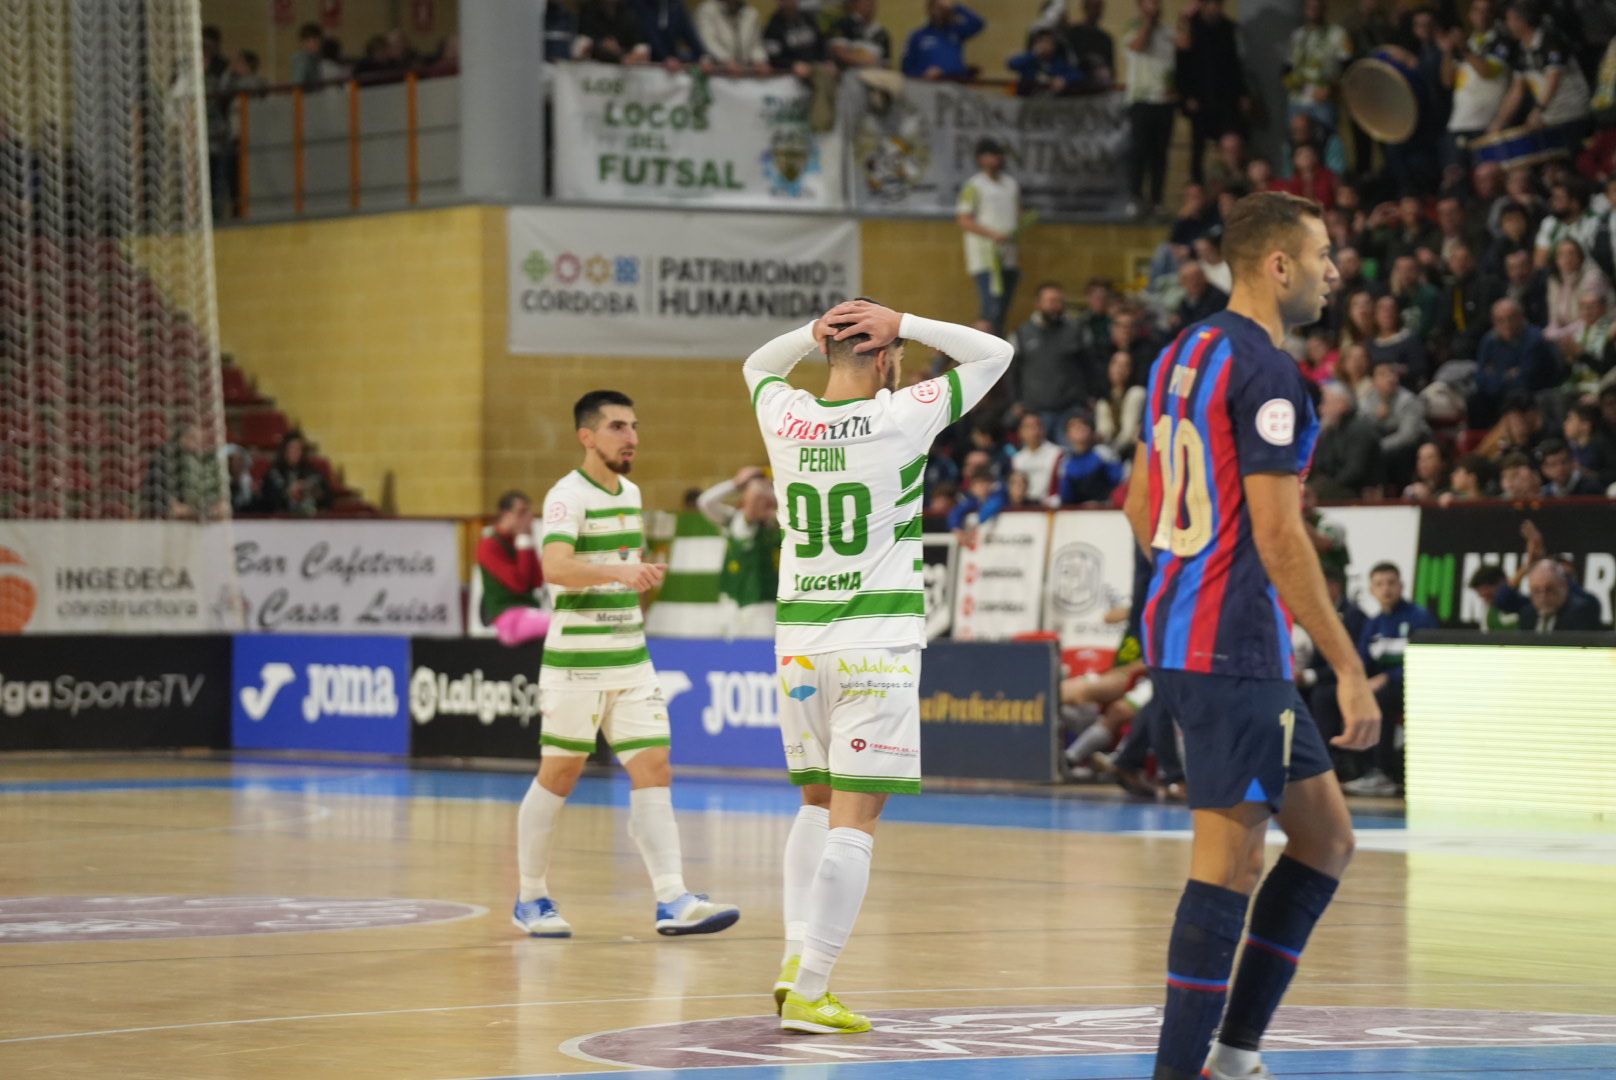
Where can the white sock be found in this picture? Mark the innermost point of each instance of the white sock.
(805, 845)
(1094, 737)
(535, 828)
(651, 824)
(833, 906)
(1234, 1062)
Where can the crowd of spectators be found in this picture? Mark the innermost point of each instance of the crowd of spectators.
(1470, 350)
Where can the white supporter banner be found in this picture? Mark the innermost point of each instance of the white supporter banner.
(115, 577)
(350, 577)
(1000, 583)
(648, 136)
(1090, 574)
(1376, 534)
(939, 553)
(672, 284)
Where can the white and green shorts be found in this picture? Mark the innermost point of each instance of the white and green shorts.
(633, 719)
(851, 719)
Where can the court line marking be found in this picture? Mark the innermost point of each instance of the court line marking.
(305, 1017)
(319, 813)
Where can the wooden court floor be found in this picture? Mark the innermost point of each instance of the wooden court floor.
(163, 917)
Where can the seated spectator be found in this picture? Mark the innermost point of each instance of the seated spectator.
(1454, 229)
(858, 40)
(1201, 300)
(1430, 473)
(1590, 447)
(1359, 327)
(1130, 333)
(1591, 348)
(1417, 298)
(1572, 275)
(1555, 607)
(1209, 251)
(293, 485)
(1352, 370)
(1197, 217)
(1472, 479)
(1328, 151)
(792, 39)
(1563, 476)
(1037, 462)
(750, 578)
(560, 31)
(1488, 582)
(1092, 48)
(983, 499)
(995, 456)
(673, 37)
(185, 480)
(1546, 72)
(400, 55)
(1520, 427)
(1049, 375)
(1513, 358)
(1467, 298)
(511, 577)
(1319, 357)
(1044, 68)
(610, 32)
(1309, 178)
(1346, 462)
(1089, 473)
(372, 65)
(1514, 234)
(239, 478)
(1019, 495)
(1408, 231)
(1382, 644)
(937, 50)
(1517, 478)
(1394, 343)
(1227, 169)
(733, 34)
(1398, 415)
(306, 60)
(446, 61)
(1120, 412)
(1569, 219)
(1526, 287)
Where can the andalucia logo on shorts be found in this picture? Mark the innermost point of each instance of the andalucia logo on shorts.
(796, 693)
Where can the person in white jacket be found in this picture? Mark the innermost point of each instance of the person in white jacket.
(733, 34)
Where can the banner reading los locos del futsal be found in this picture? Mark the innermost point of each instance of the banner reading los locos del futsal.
(647, 136)
(673, 284)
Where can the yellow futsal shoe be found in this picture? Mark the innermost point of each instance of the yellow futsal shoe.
(787, 979)
(827, 1016)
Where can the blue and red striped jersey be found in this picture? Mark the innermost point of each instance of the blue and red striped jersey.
(1224, 403)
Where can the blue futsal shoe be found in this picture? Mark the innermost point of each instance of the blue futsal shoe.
(693, 913)
(539, 918)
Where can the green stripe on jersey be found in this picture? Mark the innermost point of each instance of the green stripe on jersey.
(866, 605)
(591, 481)
(557, 538)
(624, 628)
(577, 658)
(909, 530)
(757, 391)
(596, 601)
(920, 565)
(911, 472)
(912, 494)
(613, 541)
(613, 511)
(956, 396)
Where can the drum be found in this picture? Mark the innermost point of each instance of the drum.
(1516, 146)
(1384, 95)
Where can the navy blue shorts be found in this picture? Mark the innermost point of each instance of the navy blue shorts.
(1244, 739)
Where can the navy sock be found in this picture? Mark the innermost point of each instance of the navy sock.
(1287, 908)
(1199, 959)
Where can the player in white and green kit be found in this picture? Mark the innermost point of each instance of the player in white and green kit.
(851, 618)
(597, 676)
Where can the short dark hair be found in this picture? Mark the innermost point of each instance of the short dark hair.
(1515, 459)
(1587, 413)
(309, 31)
(1336, 573)
(1518, 401)
(846, 350)
(1550, 447)
(1051, 284)
(1487, 575)
(1263, 222)
(1385, 568)
(1380, 362)
(252, 60)
(586, 413)
(1528, 11)
(1476, 466)
(509, 500)
(211, 33)
(1573, 188)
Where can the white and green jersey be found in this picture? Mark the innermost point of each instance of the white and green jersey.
(849, 478)
(596, 639)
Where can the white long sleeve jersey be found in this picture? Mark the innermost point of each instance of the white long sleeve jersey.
(849, 478)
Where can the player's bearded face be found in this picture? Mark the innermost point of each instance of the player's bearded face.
(616, 439)
(1313, 276)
